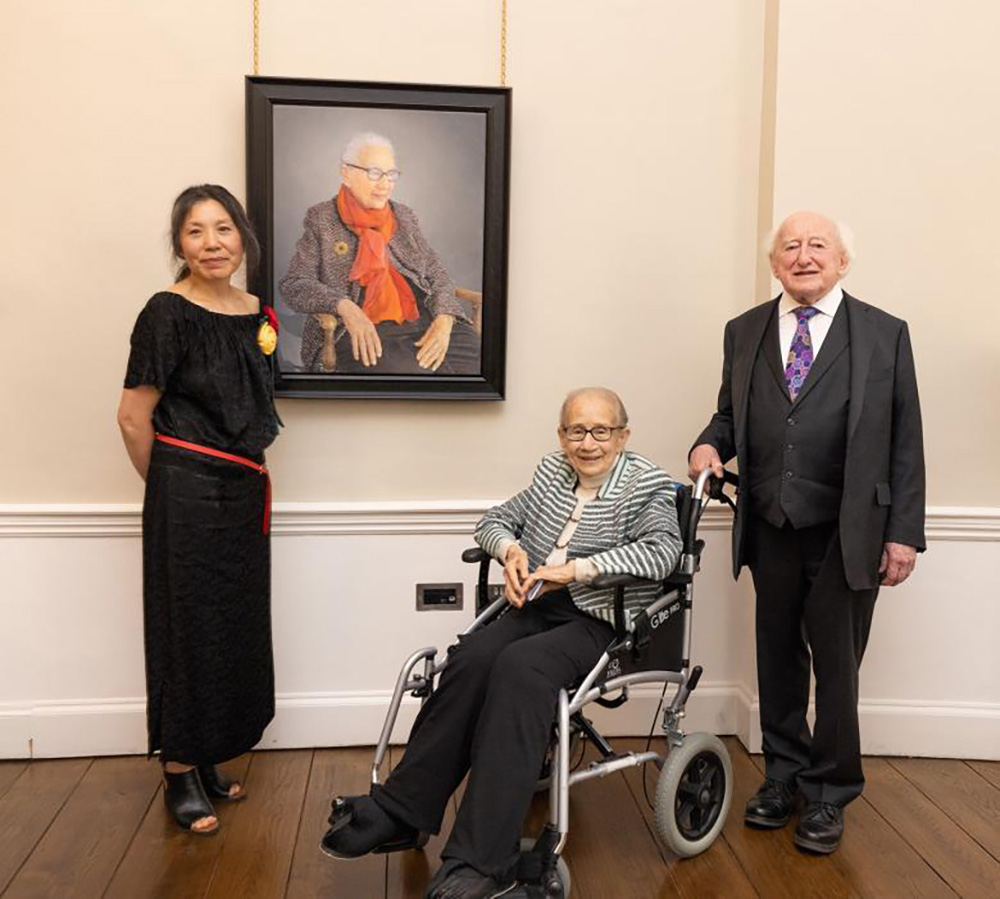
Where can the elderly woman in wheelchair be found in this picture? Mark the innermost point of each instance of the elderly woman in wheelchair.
(595, 517)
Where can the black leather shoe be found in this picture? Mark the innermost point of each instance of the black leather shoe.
(820, 827)
(771, 805)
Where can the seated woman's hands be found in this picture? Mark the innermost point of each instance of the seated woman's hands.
(518, 582)
(552, 576)
(515, 575)
(365, 343)
(433, 346)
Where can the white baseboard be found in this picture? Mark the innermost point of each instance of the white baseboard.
(118, 727)
(907, 728)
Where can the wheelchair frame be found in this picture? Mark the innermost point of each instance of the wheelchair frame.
(679, 587)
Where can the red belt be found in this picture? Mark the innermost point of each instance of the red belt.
(219, 454)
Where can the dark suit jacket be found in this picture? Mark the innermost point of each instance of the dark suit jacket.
(883, 499)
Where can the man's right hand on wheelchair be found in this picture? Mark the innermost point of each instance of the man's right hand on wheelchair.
(703, 456)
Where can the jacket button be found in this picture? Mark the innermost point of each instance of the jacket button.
(788, 475)
(789, 446)
(791, 421)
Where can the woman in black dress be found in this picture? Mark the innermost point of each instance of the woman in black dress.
(196, 414)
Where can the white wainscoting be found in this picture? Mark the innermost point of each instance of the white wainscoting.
(71, 665)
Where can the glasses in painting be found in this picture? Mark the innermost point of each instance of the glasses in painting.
(600, 433)
(376, 174)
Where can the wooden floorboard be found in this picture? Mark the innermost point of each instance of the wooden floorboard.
(875, 858)
(80, 851)
(769, 857)
(334, 772)
(988, 770)
(10, 771)
(87, 828)
(163, 862)
(29, 806)
(961, 862)
(257, 854)
(715, 872)
(610, 851)
(960, 792)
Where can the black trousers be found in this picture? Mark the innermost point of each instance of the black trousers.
(492, 716)
(399, 349)
(806, 612)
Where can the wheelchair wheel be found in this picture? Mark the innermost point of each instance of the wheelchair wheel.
(693, 794)
(562, 877)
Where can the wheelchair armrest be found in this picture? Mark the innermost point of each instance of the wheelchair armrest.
(475, 554)
(606, 581)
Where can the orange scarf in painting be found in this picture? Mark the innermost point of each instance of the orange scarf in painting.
(387, 295)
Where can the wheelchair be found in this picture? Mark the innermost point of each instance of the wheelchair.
(695, 785)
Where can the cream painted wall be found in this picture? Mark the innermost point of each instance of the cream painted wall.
(633, 214)
(882, 113)
(887, 118)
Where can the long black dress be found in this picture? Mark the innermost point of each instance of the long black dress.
(206, 558)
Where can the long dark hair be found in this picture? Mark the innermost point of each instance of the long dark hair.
(195, 194)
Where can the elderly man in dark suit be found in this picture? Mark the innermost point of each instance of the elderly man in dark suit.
(819, 405)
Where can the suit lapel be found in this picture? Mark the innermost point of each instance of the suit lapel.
(860, 328)
(744, 362)
(833, 345)
(771, 348)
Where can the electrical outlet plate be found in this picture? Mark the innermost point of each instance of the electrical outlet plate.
(439, 597)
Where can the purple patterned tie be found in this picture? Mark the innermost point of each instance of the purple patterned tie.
(800, 354)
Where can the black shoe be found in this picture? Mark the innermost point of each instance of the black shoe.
(771, 805)
(358, 825)
(820, 827)
(186, 800)
(457, 880)
(217, 785)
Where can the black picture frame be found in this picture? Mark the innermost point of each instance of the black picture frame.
(321, 107)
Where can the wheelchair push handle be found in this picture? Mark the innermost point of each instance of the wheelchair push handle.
(716, 485)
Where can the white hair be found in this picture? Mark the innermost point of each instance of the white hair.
(604, 393)
(844, 233)
(365, 139)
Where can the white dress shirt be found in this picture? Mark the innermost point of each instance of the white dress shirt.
(819, 324)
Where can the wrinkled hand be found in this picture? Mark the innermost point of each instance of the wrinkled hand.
(515, 575)
(365, 343)
(552, 575)
(898, 560)
(433, 346)
(703, 456)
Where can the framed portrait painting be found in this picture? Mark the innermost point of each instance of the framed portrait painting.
(382, 214)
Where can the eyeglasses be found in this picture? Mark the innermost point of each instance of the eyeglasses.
(377, 174)
(600, 433)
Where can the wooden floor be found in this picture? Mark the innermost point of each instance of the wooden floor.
(97, 828)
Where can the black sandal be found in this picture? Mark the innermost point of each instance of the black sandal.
(186, 800)
(217, 785)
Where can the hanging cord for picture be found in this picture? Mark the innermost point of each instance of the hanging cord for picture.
(503, 43)
(256, 37)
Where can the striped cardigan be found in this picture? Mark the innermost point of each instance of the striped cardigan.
(629, 528)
